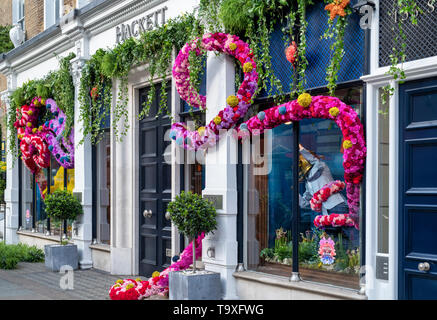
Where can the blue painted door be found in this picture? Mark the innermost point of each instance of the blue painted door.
(418, 190)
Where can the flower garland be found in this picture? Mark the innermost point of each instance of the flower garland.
(129, 289)
(324, 193)
(322, 107)
(55, 136)
(237, 106)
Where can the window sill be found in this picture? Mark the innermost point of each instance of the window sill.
(101, 247)
(318, 288)
(40, 236)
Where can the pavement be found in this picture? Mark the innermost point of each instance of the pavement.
(32, 281)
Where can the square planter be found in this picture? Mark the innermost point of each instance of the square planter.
(57, 256)
(202, 285)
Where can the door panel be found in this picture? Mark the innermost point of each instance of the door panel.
(418, 190)
(155, 189)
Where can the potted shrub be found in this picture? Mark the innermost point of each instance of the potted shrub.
(193, 215)
(62, 205)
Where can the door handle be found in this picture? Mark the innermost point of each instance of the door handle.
(424, 266)
(167, 215)
(147, 213)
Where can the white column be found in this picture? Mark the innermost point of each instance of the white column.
(122, 194)
(82, 230)
(221, 178)
(12, 185)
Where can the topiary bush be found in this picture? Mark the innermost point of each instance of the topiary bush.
(192, 215)
(62, 205)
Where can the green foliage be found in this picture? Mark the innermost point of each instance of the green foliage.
(192, 214)
(398, 55)
(10, 255)
(62, 205)
(153, 51)
(284, 251)
(5, 41)
(267, 253)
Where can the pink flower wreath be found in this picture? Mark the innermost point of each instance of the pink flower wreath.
(237, 106)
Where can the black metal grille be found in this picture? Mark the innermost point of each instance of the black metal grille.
(421, 39)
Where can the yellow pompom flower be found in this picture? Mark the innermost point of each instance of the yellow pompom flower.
(34, 130)
(40, 128)
(217, 120)
(247, 67)
(130, 286)
(201, 130)
(43, 102)
(232, 101)
(138, 280)
(304, 100)
(232, 46)
(30, 112)
(334, 111)
(119, 281)
(155, 274)
(347, 144)
(29, 124)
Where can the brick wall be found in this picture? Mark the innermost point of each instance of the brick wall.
(5, 19)
(6, 12)
(69, 5)
(33, 17)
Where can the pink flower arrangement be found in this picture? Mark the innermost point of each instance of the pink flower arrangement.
(323, 107)
(237, 105)
(327, 250)
(323, 194)
(129, 289)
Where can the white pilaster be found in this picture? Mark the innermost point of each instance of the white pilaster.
(12, 182)
(82, 233)
(221, 178)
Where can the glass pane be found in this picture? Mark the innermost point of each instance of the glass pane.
(383, 175)
(269, 184)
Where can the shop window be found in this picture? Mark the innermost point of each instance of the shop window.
(104, 189)
(269, 203)
(34, 217)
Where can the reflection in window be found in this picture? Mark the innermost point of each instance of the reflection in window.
(103, 196)
(269, 205)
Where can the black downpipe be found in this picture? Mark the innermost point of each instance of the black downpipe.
(94, 192)
(295, 198)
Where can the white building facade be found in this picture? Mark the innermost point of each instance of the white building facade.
(124, 186)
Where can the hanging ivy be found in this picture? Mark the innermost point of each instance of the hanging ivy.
(154, 50)
(398, 55)
(335, 32)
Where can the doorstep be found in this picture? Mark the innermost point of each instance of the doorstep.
(307, 286)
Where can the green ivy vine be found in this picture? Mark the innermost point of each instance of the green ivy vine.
(153, 51)
(398, 55)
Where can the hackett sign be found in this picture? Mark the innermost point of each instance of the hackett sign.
(146, 23)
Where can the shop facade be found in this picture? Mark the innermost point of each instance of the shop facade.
(125, 186)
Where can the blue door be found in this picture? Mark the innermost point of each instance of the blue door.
(418, 190)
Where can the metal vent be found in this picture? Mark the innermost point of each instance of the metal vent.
(421, 39)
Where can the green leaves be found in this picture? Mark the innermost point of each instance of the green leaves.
(192, 214)
(62, 205)
(5, 41)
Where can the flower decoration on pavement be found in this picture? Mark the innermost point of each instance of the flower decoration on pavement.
(129, 289)
(237, 105)
(336, 8)
(327, 250)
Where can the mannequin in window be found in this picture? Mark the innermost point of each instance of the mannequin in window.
(316, 175)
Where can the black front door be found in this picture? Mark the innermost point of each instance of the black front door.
(155, 188)
(418, 190)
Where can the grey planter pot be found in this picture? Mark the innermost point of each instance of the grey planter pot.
(57, 256)
(203, 285)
